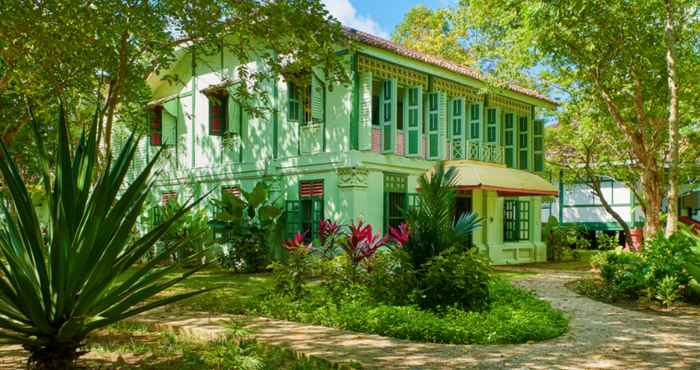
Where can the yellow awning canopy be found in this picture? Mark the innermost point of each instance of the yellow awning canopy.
(506, 181)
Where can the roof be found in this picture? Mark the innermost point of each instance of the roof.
(506, 181)
(372, 40)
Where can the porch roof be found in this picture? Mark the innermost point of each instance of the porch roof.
(506, 181)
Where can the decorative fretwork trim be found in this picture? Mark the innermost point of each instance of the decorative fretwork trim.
(387, 70)
(457, 89)
(522, 109)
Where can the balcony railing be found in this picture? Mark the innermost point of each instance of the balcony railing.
(476, 151)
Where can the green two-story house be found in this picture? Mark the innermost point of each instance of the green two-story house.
(355, 152)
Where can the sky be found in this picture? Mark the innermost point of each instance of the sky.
(378, 17)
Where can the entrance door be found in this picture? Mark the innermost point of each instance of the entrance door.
(463, 205)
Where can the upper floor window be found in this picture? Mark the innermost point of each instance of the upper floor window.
(306, 103)
(475, 121)
(218, 113)
(538, 145)
(156, 125)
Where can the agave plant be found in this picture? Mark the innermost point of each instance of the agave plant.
(79, 272)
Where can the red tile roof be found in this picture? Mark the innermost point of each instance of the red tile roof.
(372, 40)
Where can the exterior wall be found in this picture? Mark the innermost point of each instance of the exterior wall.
(578, 205)
(337, 150)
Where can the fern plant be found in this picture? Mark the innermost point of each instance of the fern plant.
(79, 272)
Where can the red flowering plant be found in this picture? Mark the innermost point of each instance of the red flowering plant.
(329, 235)
(296, 243)
(290, 277)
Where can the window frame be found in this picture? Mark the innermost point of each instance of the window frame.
(516, 220)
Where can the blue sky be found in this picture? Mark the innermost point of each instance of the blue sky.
(378, 17)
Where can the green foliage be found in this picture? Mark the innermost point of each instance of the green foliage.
(249, 224)
(432, 226)
(63, 280)
(433, 31)
(191, 232)
(455, 278)
(607, 242)
(291, 275)
(562, 240)
(649, 273)
(514, 316)
(391, 278)
(623, 273)
(668, 291)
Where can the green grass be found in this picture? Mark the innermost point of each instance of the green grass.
(145, 348)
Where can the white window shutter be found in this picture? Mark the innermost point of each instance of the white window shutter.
(317, 106)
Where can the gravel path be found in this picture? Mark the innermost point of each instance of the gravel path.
(600, 336)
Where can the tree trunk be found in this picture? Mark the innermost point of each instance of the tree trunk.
(55, 355)
(673, 138)
(595, 185)
(651, 189)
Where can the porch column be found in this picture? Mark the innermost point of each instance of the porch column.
(352, 193)
(479, 236)
(536, 229)
(494, 219)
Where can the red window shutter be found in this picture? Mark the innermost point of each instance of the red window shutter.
(168, 196)
(308, 189)
(156, 125)
(233, 190)
(217, 113)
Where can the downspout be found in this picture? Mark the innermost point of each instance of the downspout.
(561, 196)
(194, 106)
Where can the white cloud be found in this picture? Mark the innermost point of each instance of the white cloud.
(347, 15)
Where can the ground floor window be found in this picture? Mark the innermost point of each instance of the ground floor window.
(516, 220)
(305, 214)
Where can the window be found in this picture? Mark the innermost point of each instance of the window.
(475, 121)
(388, 103)
(156, 124)
(538, 145)
(457, 118)
(375, 110)
(168, 197)
(218, 109)
(523, 143)
(395, 199)
(233, 190)
(491, 126)
(311, 197)
(509, 140)
(516, 220)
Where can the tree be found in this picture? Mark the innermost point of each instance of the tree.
(432, 32)
(73, 49)
(612, 56)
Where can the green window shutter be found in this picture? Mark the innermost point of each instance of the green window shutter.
(414, 99)
(293, 104)
(509, 139)
(491, 126)
(523, 146)
(316, 215)
(234, 112)
(475, 122)
(365, 114)
(457, 128)
(433, 126)
(169, 122)
(388, 106)
(317, 93)
(292, 211)
(538, 145)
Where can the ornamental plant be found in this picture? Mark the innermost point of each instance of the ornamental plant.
(78, 272)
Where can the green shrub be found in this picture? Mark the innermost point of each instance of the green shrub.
(191, 232)
(391, 278)
(667, 257)
(290, 277)
(623, 273)
(455, 278)
(562, 240)
(513, 316)
(607, 242)
(668, 291)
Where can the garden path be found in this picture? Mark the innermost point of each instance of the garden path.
(600, 336)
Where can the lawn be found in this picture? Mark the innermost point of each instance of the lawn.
(514, 316)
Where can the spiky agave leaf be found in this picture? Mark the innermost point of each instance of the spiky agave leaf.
(80, 273)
